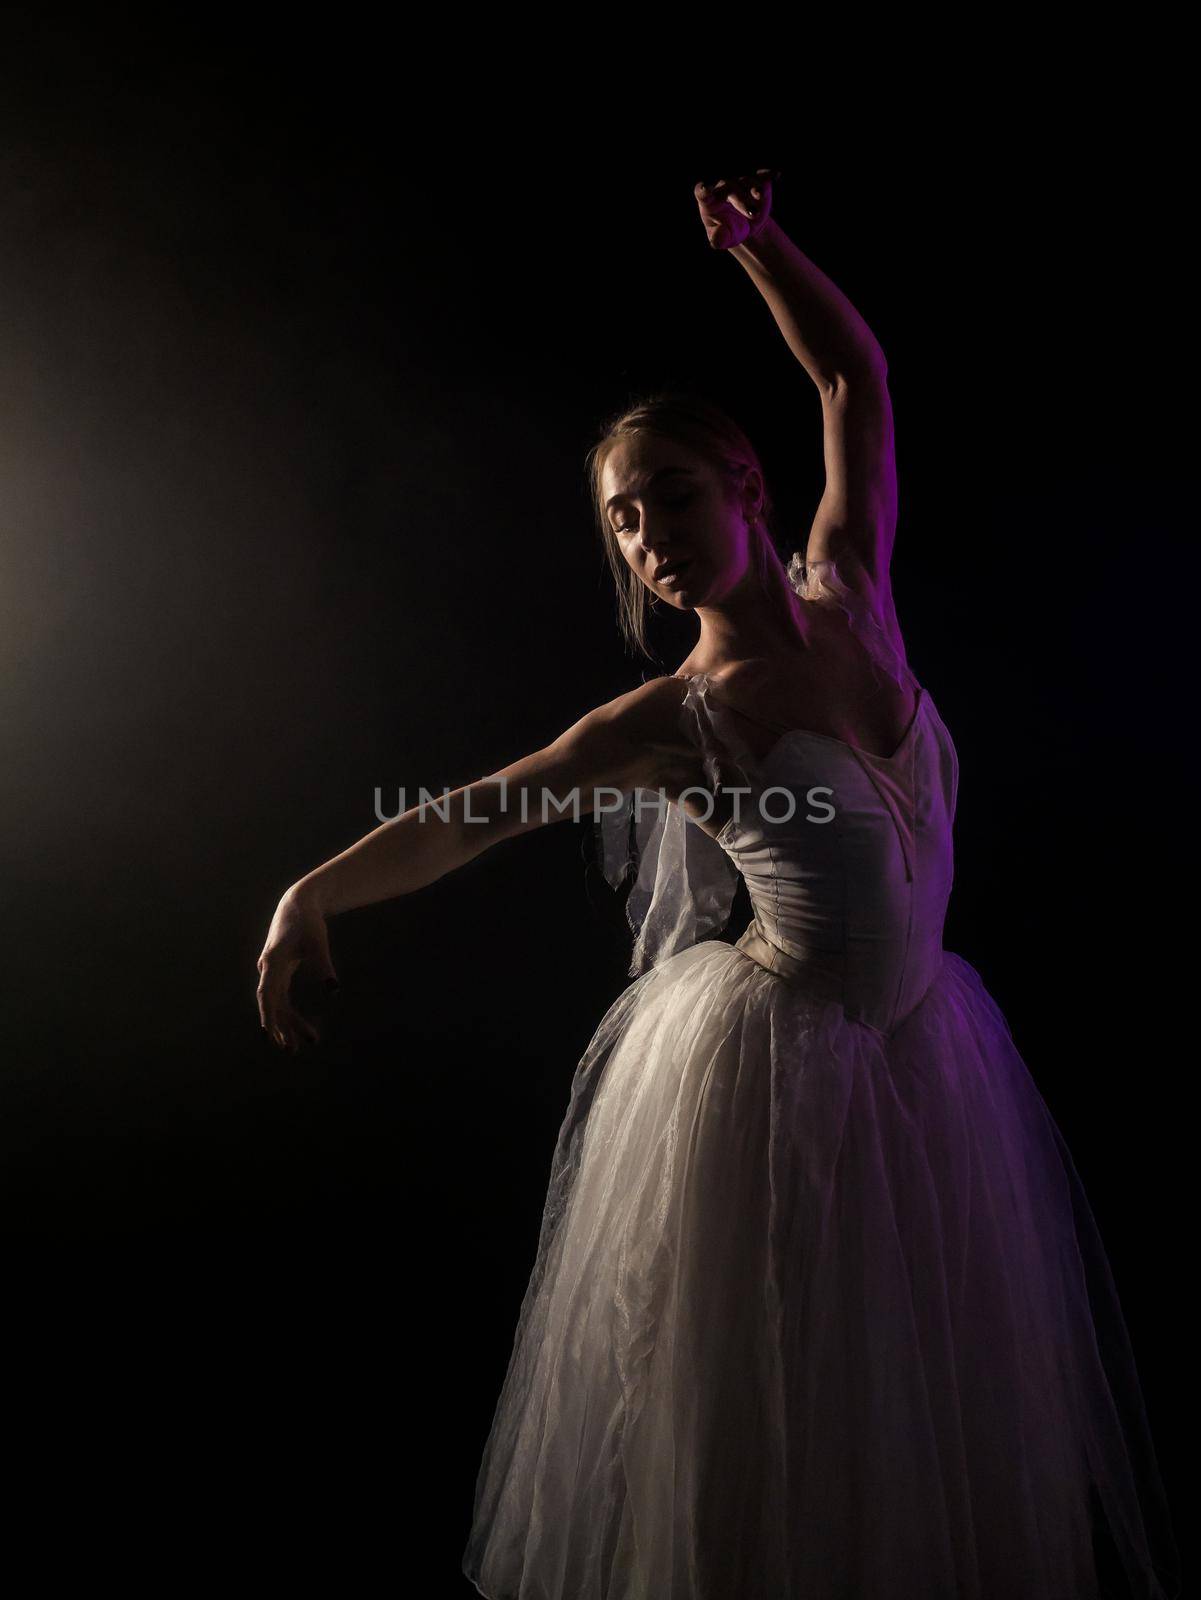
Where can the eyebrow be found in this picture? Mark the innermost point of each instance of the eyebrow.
(663, 472)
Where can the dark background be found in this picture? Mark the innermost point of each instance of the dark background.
(298, 372)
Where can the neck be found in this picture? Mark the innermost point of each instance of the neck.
(742, 626)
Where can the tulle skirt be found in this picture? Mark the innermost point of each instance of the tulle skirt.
(815, 1314)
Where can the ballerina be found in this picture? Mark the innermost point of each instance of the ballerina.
(818, 1307)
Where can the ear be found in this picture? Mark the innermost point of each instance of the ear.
(752, 493)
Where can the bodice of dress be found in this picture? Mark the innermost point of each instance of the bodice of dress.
(847, 855)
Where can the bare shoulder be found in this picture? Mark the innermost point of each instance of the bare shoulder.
(635, 741)
(651, 710)
(638, 738)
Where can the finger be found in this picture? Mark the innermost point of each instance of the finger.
(276, 976)
(298, 1027)
(286, 1039)
(284, 1025)
(725, 192)
(762, 177)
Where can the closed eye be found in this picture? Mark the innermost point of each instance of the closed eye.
(681, 500)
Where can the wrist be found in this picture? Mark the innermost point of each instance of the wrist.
(762, 247)
(306, 895)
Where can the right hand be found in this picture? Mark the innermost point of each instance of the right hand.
(297, 935)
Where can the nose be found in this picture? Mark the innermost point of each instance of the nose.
(655, 537)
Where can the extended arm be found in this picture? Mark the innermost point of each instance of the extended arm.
(633, 742)
(628, 743)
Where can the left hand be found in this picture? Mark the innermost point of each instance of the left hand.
(298, 937)
(735, 209)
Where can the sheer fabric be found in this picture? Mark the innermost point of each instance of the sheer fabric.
(820, 583)
(814, 1314)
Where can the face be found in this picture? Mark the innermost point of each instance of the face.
(667, 506)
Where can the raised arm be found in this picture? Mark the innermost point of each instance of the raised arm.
(855, 522)
(632, 742)
(820, 325)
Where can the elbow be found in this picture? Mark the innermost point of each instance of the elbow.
(857, 371)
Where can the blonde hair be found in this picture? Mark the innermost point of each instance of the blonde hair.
(708, 432)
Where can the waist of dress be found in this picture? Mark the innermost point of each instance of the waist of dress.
(817, 972)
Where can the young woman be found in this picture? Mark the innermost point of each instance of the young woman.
(819, 1308)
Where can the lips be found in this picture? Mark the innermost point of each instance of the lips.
(671, 569)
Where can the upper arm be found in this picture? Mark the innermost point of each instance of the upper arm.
(855, 524)
(635, 741)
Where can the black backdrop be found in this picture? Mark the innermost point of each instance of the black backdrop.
(297, 380)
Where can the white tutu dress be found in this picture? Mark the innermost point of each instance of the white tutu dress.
(819, 1310)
